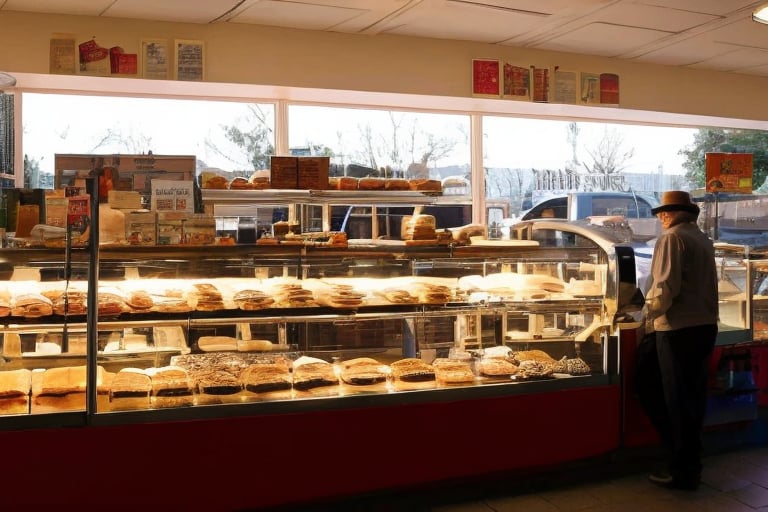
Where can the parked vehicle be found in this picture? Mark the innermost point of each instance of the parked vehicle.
(635, 208)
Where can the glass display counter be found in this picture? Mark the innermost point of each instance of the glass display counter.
(183, 326)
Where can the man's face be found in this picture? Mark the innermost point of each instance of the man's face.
(665, 218)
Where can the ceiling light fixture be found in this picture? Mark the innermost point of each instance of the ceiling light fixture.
(760, 14)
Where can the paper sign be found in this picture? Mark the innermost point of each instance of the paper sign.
(172, 196)
(729, 172)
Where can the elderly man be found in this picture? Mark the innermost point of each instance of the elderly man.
(682, 309)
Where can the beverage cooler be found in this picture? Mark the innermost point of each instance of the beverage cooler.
(281, 374)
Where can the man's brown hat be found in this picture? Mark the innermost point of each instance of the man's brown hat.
(676, 201)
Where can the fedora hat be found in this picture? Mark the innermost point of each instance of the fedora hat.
(676, 201)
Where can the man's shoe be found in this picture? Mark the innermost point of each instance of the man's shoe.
(662, 478)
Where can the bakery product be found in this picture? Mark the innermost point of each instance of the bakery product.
(418, 227)
(240, 183)
(411, 369)
(309, 373)
(207, 297)
(15, 386)
(252, 300)
(496, 368)
(425, 185)
(266, 377)
(111, 302)
(31, 305)
(397, 184)
(216, 343)
(139, 301)
(130, 389)
(362, 371)
(172, 386)
(371, 183)
(451, 371)
(218, 382)
(214, 181)
(346, 183)
(170, 381)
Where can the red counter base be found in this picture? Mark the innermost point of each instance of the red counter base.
(261, 461)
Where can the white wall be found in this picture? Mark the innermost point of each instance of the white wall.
(247, 54)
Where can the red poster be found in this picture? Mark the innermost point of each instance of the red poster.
(485, 77)
(729, 172)
(609, 89)
(540, 84)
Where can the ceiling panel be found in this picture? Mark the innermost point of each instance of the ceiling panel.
(740, 58)
(743, 32)
(716, 7)
(686, 52)
(647, 16)
(603, 39)
(464, 21)
(296, 15)
(183, 11)
(75, 7)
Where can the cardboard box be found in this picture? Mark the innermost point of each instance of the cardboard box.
(313, 172)
(124, 200)
(56, 206)
(141, 228)
(170, 228)
(284, 172)
(199, 229)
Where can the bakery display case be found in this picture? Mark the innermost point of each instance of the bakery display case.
(244, 342)
(735, 294)
(177, 326)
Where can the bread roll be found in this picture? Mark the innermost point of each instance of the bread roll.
(347, 183)
(425, 185)
(371, 184)
(397, 184)
(240, 183)
(217, 343)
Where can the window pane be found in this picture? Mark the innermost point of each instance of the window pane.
(530, 160)
(231, 136)
(382, 143)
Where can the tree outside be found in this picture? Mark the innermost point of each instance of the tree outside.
(714, 140)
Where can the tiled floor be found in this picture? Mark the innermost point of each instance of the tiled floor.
(735, 479)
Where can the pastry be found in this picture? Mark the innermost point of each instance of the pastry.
(261, 378)
(412, 370)
(31, 305)
(450, 371)
(362, 371)
(309, 373)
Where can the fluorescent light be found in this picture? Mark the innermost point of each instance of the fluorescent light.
(760, 14)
